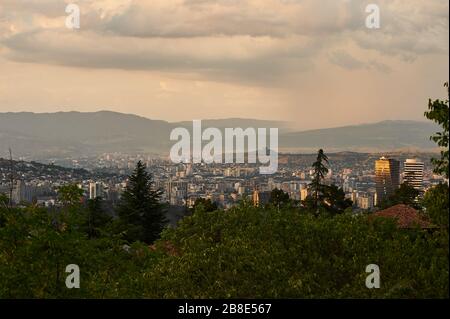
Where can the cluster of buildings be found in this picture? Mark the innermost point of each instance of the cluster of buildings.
(227, 185)
(47, 194)
(365, 195)
(365, 178)
(388, 178)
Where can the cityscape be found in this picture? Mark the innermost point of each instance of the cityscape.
(365, 178)
(222, 158)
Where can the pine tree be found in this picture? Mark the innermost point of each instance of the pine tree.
(335, 200)
(140, 210)
(320, 170)
(96, 217)
(279, 198)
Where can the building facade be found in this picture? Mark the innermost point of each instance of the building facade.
(387, 177)
(95, 190)
(413, 173)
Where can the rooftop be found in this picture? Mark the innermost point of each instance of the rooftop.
(407, 217)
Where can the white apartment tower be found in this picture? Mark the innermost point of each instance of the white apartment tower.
(95, 190)
(413, 173)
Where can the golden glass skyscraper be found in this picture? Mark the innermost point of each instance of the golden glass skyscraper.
(387, 177)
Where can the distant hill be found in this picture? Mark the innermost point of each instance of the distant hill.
(44, 135)
(237, 122)
(38, 170)
(381, 136)
(66, 133)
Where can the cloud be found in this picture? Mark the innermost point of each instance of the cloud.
(49, 8)
(246, 58)
(345, 60)
(409, 30)
(195, 18)
(255, 41)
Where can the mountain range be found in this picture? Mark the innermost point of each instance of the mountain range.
(68, 134)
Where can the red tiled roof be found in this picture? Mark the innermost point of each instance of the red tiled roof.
(407, 217)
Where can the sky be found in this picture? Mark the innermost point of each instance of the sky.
(312, 63)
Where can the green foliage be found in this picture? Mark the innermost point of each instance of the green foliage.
(279, 199)
(335, 200)
(204, 204)
(4, 202)
(405, 194)
(96, 218)
(246, 252)
(141, 214)
(325, 199)
(36, 245)
(331, 201)
(320, 170)
(70, 195)
(265, 253)
(439, 113)
(436, 204)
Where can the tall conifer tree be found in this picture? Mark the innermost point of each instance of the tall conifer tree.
(140, 209)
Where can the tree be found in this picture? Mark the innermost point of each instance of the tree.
(436, 199)
(245, 252)
(439, 113)
(278, 198)
(140, 210)
(206, 204)
(253, 252)
(335, 200)
(96, 217)
(70, 195)
(320, 170)
(3, 200)
(405, 194)
(436, 204)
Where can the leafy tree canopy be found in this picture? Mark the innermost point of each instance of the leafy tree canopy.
(405, 194)
(279, 198)
(436, 204)
(438, 111)
(205, 204)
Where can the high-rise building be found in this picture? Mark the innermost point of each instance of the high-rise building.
(95, 190)
(354, 196)
(413, 173)
(303, 192)
(189, 170)
(365, 201)
(387, 177)
(22, 192)
(261, 198)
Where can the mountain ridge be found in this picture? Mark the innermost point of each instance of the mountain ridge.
(89, 133)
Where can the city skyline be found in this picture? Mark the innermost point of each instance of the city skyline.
(224, 155)
(366, 179)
